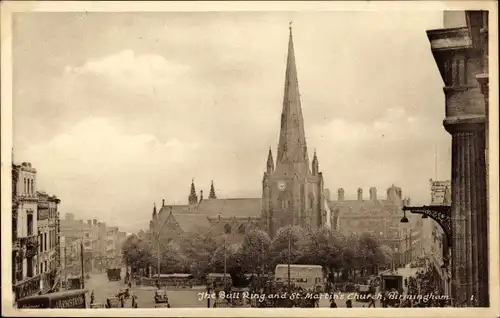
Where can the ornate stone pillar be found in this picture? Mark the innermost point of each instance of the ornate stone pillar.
(460, 61)
(468, 202)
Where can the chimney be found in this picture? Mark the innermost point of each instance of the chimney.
(340, 194)
(95, 222)
(89, 222)
(360, 194)
(162, 202)
(373, 194)
(326, 193)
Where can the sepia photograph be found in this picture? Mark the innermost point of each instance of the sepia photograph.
(234, 156)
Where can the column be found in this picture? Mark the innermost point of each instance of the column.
(468, 205)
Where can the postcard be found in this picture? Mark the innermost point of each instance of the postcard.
(194, 159)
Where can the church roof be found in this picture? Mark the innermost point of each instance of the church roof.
(191, 222)
(242, 207)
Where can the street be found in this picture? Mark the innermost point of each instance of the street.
(103, 288)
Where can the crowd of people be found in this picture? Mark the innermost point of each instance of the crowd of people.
(423, 292)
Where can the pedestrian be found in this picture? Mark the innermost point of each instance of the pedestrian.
(348, 303)
(92, 297)
(371, 296)
(333, 304)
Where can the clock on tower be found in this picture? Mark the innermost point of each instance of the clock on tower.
(281, 185)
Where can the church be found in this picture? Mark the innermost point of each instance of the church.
(292, 187)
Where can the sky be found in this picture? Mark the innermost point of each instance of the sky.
(120, 110)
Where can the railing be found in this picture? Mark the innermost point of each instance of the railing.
(28, 287)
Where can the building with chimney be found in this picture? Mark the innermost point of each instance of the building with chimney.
(292, 186)
(380, 216)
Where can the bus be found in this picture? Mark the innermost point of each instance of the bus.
(176, 280)
(397, 280)
(305, 276)
(218, 282)
(66, 299)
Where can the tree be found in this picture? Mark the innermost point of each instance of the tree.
(279, 254)
(323, 248)
(172, 261)
(136, 253)
(369, 253)
(254, 252)
(198, 247)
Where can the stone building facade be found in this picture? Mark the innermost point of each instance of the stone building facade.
(25, 243)
(380, 217)
(35, 234)
(48, 236)
(461, 54)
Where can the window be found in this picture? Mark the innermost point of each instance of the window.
(29, 269)
(32, 187)
(227, 229)
(45, 241)
(30, 223)
(25, 187)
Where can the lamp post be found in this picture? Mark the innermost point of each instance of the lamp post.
(439, 213)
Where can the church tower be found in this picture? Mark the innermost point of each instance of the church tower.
(292, 189)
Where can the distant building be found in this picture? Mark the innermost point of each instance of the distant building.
(438, 244)
(48, 236)
(381, 218)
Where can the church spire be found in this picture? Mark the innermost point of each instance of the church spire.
(292, 148)
(270, 162)
(212, 191)
(193, 198)
(154, 210)
(315, 164)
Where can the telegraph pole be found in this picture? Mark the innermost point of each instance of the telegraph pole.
(289, 258)
(83, 268)
(158, 257)
(225, 262)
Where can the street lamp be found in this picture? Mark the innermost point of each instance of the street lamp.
(404, 219)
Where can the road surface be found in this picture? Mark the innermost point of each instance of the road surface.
(188, 298)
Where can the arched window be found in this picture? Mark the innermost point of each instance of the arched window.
(227, 229)
(311, 200)
(241, 229)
